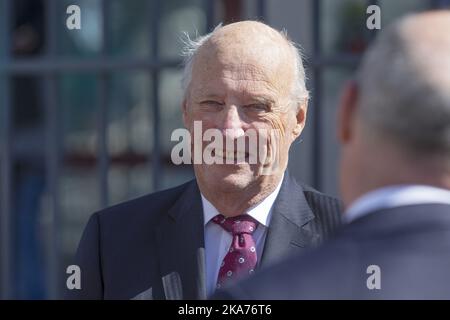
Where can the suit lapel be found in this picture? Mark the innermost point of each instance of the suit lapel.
(289, 230)
(179, 236)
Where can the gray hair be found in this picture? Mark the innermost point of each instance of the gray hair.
(299, 92)
(399, 96)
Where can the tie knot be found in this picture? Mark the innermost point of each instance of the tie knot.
(237, 225)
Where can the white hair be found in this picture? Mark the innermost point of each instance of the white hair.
(299, 92)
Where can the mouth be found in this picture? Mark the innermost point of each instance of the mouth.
(231, 156)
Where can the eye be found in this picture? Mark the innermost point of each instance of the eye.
(211, 103)
(258, 107)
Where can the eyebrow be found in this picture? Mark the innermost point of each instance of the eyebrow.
(209, 97)
(263, 99)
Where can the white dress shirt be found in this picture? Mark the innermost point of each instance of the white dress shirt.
(396, 196)
(218, 241)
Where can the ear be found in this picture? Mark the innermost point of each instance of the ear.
(347, 111)
(301, 119)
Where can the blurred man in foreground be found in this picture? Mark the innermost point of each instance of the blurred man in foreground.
(395, 179)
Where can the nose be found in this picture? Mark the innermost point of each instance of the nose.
(232, 123)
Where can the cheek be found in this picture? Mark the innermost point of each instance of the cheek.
(208, 119)
(275, 134)
(193, 115)
(274, 122)
(281, 125)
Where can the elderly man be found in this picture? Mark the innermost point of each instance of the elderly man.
(234, 217)
(395, 179)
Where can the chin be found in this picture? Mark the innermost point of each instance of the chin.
(229, 177)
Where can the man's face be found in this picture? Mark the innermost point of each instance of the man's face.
(235, 94)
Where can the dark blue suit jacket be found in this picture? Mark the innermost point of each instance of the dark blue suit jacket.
(127, 249)
(410, 245)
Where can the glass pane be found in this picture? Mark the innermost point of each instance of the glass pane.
(27, 21)
(176, 175)
(78, 103)
(30, 225)
(3, 48)
(170, 99)
(344, 26)
(333, 82)
(130, 114)
(127, 182)
(79, 187)
(129, 28)
(390, 10)
(171, 96)
(28, 111)
(80, 198)
(130, 136)
(87, 41)
(28, 186)
(179, 16)
(3, 83)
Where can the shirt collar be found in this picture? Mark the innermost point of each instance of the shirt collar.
(261, 212)
(396, 196)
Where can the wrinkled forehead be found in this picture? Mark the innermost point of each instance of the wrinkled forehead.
(258, 63)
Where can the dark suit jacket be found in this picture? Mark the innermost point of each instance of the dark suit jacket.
(128, 248)
(410, 244)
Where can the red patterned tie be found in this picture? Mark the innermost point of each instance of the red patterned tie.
(240, 261)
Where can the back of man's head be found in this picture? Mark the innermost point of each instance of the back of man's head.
(395, 118)
(404, 83)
